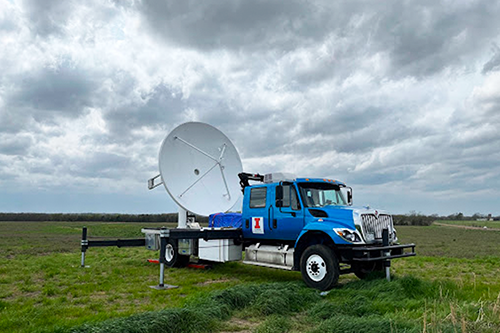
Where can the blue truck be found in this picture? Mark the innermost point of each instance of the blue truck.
(302, 224)
(309, 224)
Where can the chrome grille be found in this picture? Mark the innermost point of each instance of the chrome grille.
(374, 225)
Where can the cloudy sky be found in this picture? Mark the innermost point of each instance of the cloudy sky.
(399, 99)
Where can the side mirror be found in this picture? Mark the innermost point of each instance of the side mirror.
(279, 196)
(279, 192)
(347, 194)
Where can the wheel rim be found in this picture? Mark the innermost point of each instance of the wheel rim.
(169, 252)
(316, 268)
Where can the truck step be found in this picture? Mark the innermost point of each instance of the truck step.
(263, 264)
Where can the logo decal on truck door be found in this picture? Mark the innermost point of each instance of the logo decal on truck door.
(258, 225)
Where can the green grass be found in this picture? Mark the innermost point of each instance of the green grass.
(454, 281)
(440, 241)
(406, 304)
(205, 313)
(42, 285)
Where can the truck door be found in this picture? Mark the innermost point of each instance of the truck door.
(287, 221)
(257, 214)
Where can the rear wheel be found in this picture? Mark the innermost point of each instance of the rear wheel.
(319, 267)
(172, 256)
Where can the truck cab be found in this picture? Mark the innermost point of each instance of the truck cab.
(309, 224)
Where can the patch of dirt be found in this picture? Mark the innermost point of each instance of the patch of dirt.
(25, 294)
(206, 283)
(465, 227)
(240, 325)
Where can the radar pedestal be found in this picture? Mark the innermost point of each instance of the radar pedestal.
(182, 219)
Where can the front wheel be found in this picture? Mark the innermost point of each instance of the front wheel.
(319, 267)
(172, 256)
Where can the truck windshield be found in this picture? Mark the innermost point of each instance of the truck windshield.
(321, 194)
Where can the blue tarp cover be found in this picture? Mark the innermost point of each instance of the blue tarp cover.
(219, 220)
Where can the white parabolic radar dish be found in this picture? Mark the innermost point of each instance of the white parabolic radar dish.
(199, 167)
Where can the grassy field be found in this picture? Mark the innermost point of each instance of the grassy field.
(453, 285)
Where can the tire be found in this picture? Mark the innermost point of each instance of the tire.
(373, 269)
(319, 267)
(172, 256)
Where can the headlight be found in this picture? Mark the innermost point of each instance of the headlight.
(370, 236)
(349, 235)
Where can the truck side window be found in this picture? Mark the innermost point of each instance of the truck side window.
(290, 197)
(295, 199)
(286, 195)
(258, 197)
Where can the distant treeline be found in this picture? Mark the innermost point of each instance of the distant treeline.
(407, 219)
(414, 218)
(91, 217)
(462, 217)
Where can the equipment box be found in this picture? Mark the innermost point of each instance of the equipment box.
(152, 241)
(219, 250)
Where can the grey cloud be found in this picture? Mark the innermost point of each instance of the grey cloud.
(356, 129)
(161, 107)
(345, 119)
(351, 129)
(107, 165)
(481, 162)
(56, 19)
(482, 138)
(92, 165)
(432, 38)
(494, 63)
(49, 16)
(12, 120)
(491, 107)
(387, 175)
(7, 177)
(419, 40)
(64, 89)
(14, 145)
(8, 24)
(448, 166)
(263, 133)
(42, 96)
(224, 24)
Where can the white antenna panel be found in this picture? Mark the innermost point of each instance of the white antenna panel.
(199, 167)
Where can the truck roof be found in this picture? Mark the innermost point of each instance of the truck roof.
(305, 180)
(278, 177)
(317, 180)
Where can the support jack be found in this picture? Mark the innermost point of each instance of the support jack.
(162, 285)
(387, 262)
